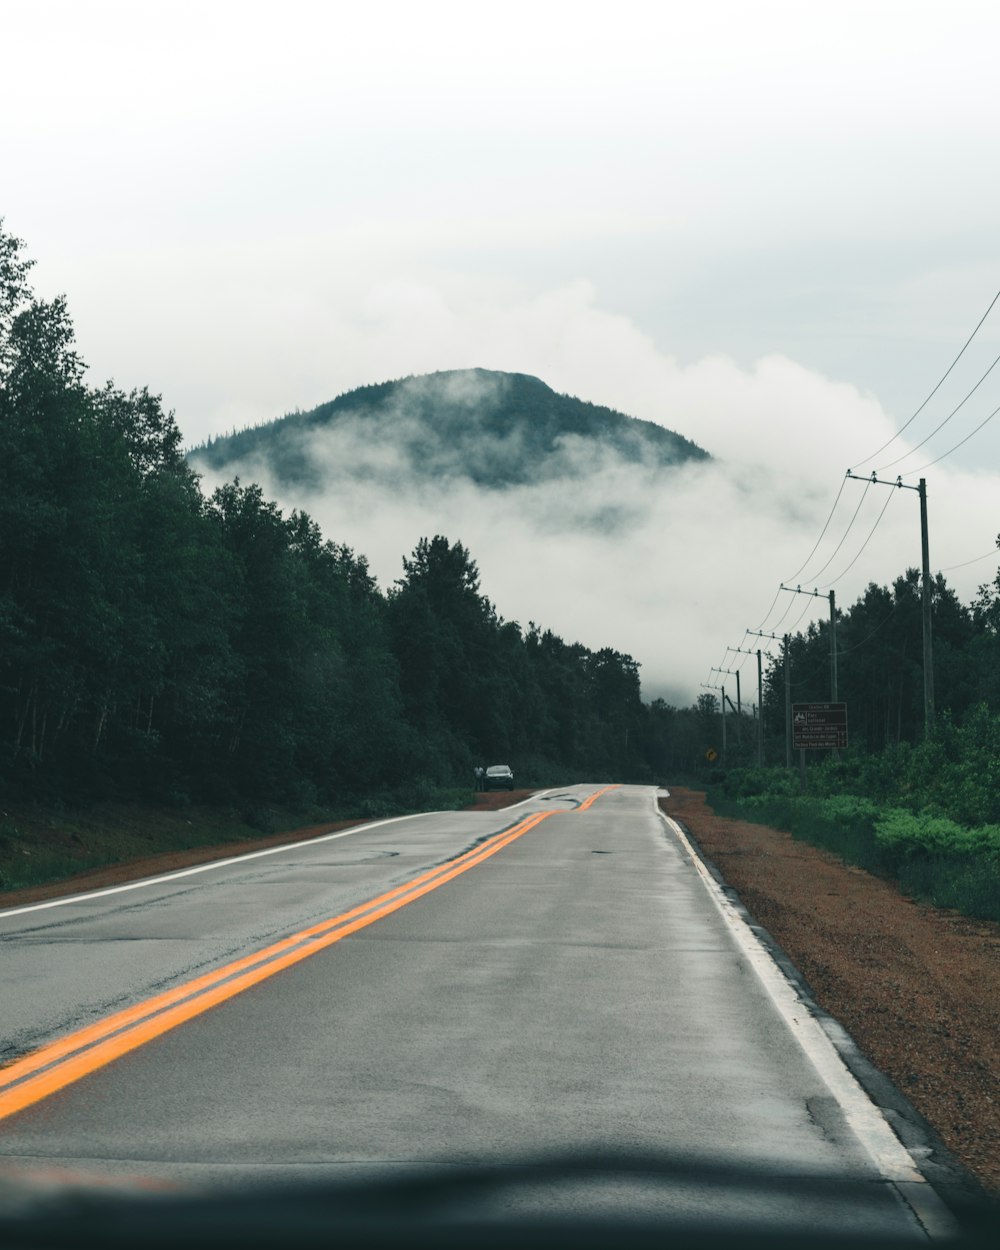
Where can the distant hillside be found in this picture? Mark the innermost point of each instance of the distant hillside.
(494, 429)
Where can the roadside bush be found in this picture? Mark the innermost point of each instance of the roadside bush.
(967, 883)
(905, 834)
(743, 783)
(930, 856)
(942, 861)
(843, 824)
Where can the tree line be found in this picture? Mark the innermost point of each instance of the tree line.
(879, 644)
(880, 661)
(156, 643)
(917, 803)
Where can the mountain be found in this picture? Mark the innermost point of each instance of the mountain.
(494, 429)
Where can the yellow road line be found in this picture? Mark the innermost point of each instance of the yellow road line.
(60, 1063)
(131, 1015)
(595, 796)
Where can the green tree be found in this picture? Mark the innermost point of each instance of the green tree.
(444, 635)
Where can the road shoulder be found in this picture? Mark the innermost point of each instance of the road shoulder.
(916, 988)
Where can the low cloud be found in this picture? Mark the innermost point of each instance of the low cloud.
(670, 565)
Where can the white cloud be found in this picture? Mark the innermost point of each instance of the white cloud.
(705, 547)
(253, 212)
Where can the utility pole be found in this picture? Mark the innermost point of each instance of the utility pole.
(722, 690)
(760, 699)
(797, 590)
(925, 571)
(738, 708)
(925, 561)
(788, 707)
(756, 633)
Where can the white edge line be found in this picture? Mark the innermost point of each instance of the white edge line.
(190, 872)
(893, 1161)
(87, 895)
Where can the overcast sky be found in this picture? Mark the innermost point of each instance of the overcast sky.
(770, 226)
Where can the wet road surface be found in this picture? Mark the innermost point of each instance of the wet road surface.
(577, 990)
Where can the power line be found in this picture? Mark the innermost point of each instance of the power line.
(936, 388)
(793, 628)
(847, 531)
(885, 506)
(832, 556)
(917, 447)
(910, 472)
(878, 520)
(783, 615)
(807, 681)
(965, 563)
(773, 602)
(880, 625)
(847, 650)
(820, 539)
(925, 590)
(746, 656)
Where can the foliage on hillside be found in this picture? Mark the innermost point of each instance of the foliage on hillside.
(155, 643)
(494, 429)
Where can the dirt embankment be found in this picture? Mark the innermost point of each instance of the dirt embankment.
(917, 988)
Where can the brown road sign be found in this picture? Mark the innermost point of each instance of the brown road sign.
(819, 726)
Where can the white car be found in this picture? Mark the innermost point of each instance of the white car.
(498, 777)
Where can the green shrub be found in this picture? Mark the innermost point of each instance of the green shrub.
(741, 783)
(905, 834)
(931, 857)
(967, 883)
(926, 815)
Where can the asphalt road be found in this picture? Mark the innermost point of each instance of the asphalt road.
(580, 989)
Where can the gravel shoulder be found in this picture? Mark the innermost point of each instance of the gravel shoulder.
(917, 988)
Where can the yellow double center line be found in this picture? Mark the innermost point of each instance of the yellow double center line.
(52, 1067)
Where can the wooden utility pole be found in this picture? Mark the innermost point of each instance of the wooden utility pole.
(788, 707)
(797, 590)
(925, 577)
(756, 633)
(926, 613)
(737, 707)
